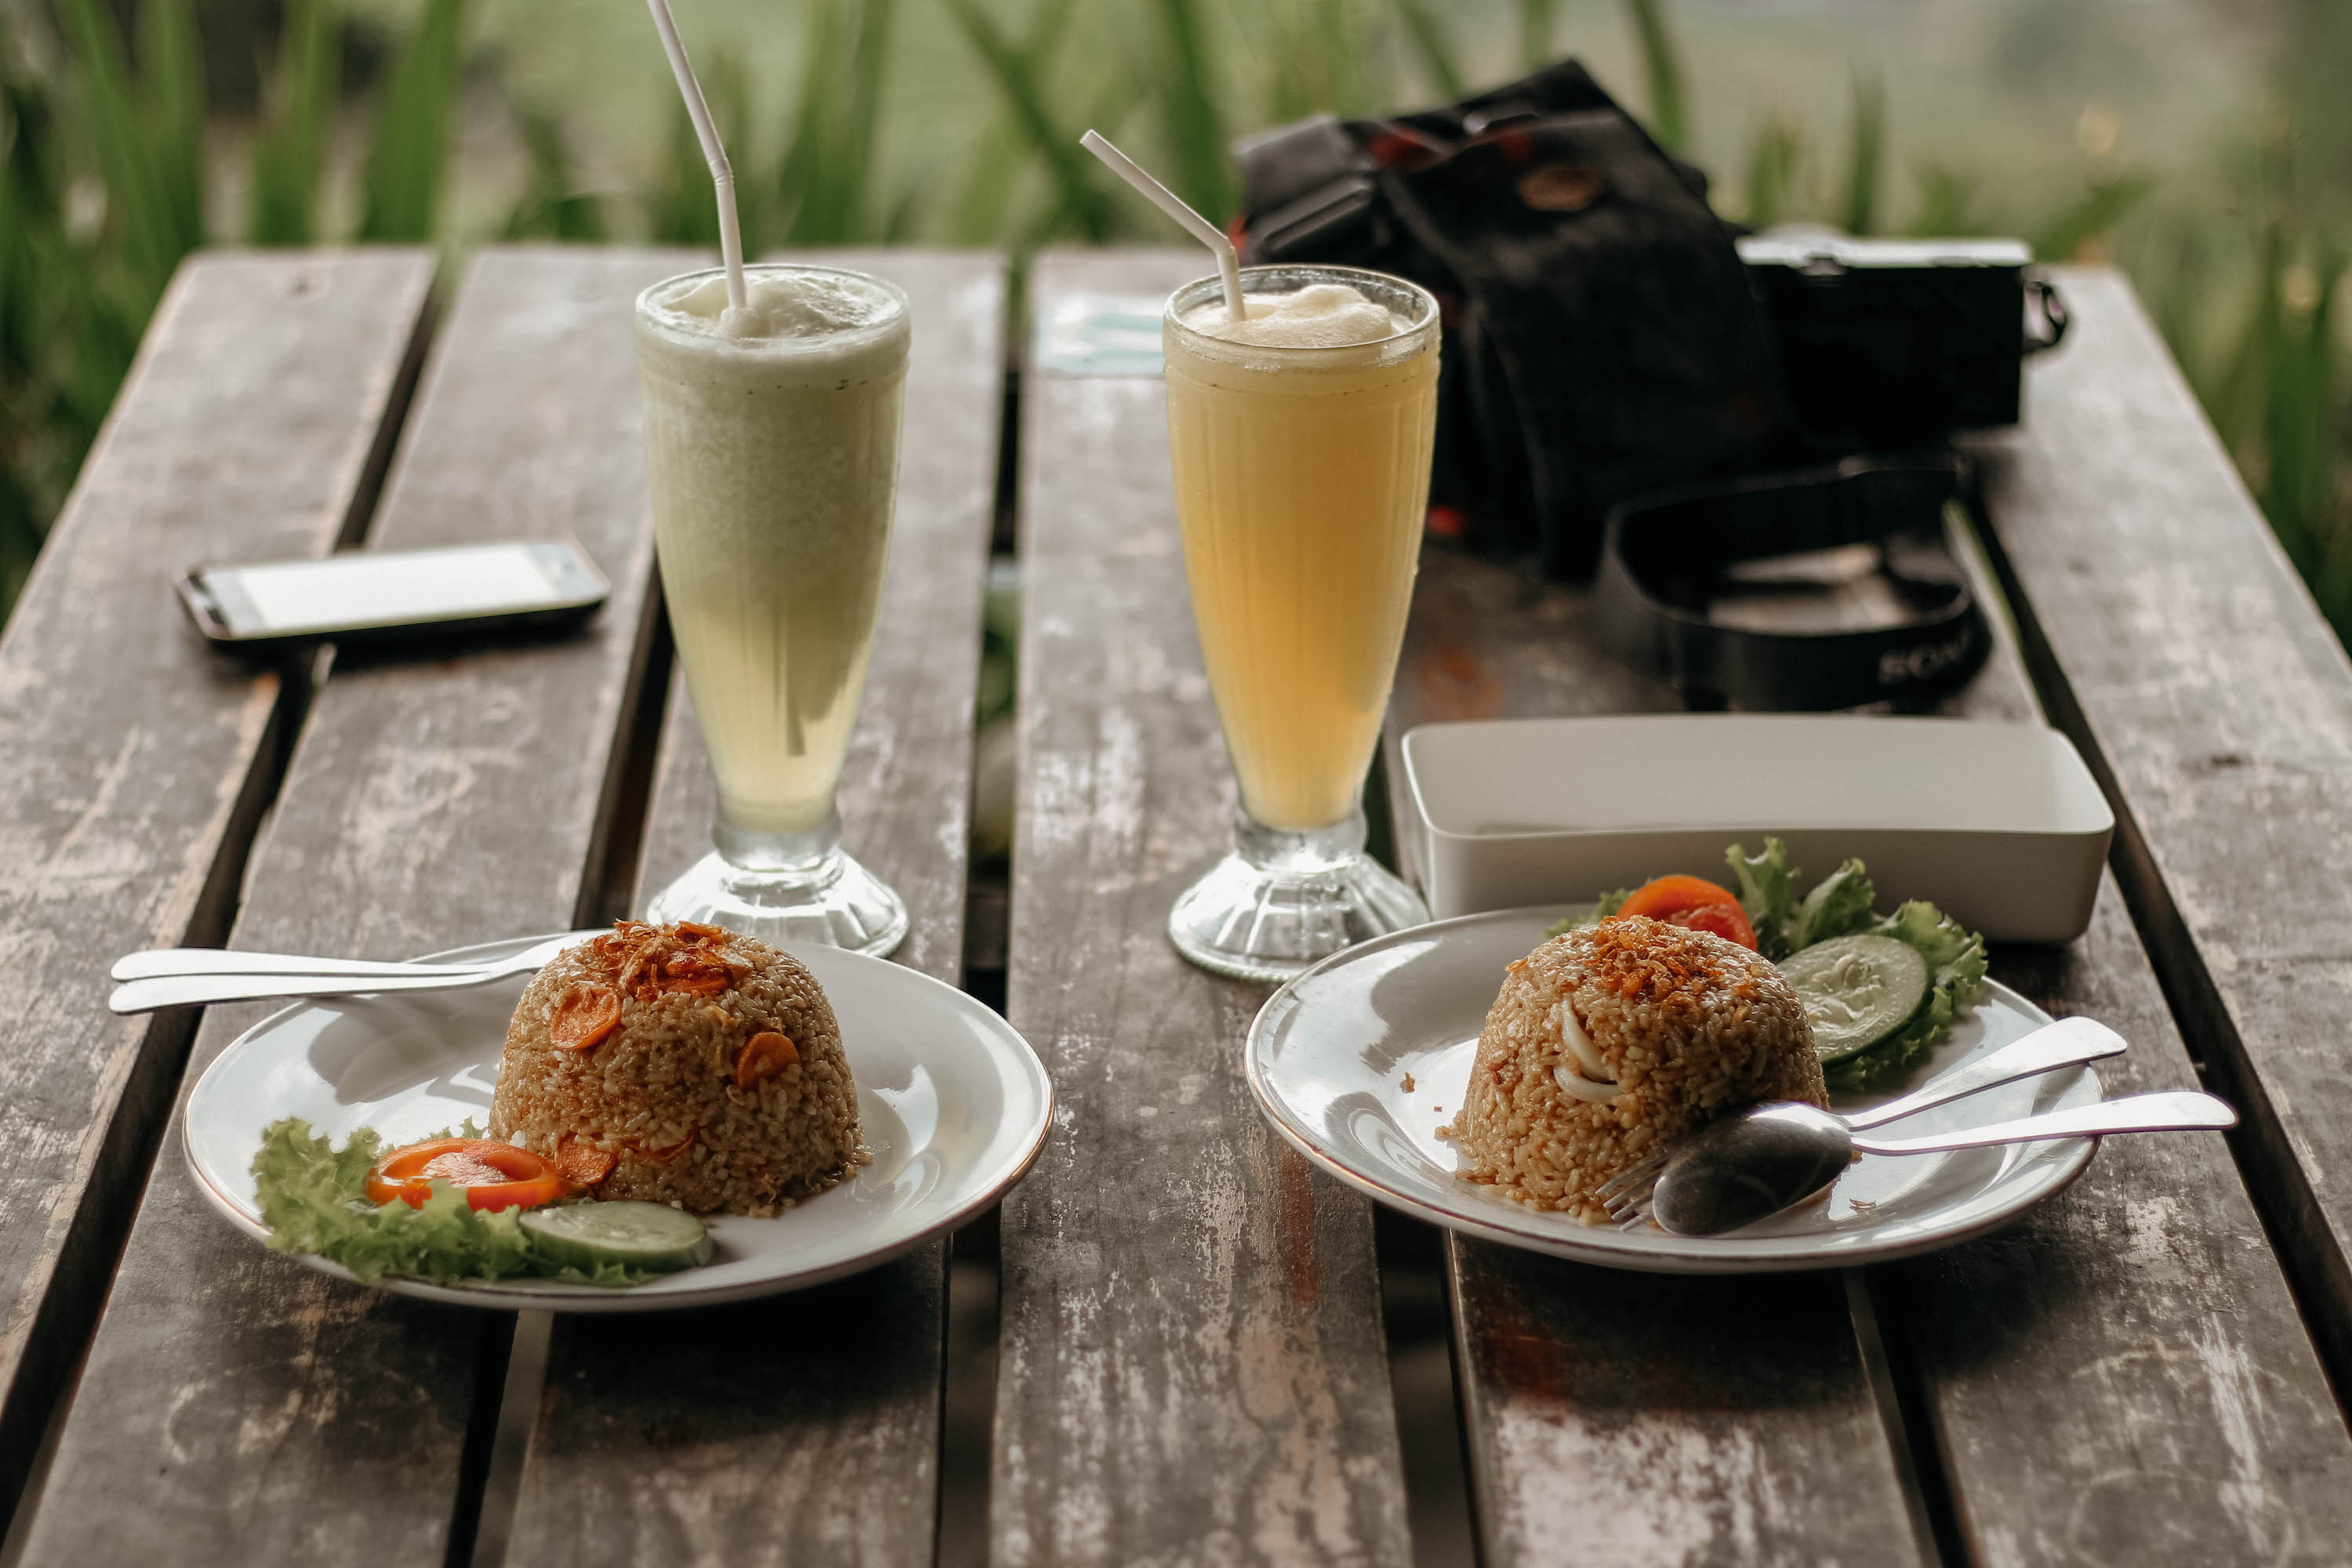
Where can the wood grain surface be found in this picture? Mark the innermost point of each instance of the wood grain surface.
(2219, 707)
(1191, 1366)
(2120, 1376)
(137, 760)
(1617, 1419)
(805, 1429)
(237, 1405)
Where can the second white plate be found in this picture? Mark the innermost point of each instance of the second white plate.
(953, 1102)
(1330, 1053)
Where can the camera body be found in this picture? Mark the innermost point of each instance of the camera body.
(1890, 344)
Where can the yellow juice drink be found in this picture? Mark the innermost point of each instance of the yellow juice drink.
(1300, 439)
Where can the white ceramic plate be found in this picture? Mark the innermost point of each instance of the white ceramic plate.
(954, 1104)
(1330, 1053)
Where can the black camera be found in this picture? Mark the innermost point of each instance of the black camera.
(1887, 344)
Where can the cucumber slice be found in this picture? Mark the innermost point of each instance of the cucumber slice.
(652, 1236)
(1857, 990)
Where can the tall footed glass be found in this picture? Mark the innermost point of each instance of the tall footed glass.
(771, 451)
(1301, 467)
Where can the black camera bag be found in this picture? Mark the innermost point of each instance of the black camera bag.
(1601, 339)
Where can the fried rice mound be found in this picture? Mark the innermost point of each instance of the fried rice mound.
(683, 1063)
(1614, 1039)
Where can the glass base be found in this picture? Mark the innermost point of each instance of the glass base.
(835, 902)
(1284, 901)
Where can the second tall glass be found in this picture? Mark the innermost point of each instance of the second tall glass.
(1302, 477)
(771, 450)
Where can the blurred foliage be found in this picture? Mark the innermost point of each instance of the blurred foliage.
(290, 152)
(410, 149)
(1665, 73)
(106, 141)
(103, 189)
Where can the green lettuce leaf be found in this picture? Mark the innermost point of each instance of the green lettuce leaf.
(314, 1199)
(1608, 904)
(1839, 905)
(1768, 891)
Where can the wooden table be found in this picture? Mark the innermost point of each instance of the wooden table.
(1191, 1362)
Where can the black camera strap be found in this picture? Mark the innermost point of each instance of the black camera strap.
(1665, 558)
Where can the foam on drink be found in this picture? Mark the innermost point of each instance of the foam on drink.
(1319, 316)
(805, 305)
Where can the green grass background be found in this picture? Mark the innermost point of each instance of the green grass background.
(2206, 145)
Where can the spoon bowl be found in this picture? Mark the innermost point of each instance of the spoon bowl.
(1746, 1166)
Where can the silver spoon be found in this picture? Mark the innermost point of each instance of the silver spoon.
(1769, 1157)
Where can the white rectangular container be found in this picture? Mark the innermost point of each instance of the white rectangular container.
(1998, 824)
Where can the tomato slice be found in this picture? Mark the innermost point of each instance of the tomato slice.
(1695, 904)
(494, 1176)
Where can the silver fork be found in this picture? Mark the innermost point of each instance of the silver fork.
(175, 977)
(2065, 1043)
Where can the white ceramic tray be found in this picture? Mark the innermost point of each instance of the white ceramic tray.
(1999, 825)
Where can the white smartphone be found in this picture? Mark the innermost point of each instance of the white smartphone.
(393, 593)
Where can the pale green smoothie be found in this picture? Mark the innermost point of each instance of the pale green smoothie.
(772, 447)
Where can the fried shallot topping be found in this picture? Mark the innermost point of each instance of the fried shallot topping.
(650, 961)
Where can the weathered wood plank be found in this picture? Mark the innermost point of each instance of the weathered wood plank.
(2093, 1376)
(237, 1406)
(806, 1430)
(1618, 1419)
(254, 421)
(1614, 1418)
(2137, 1326)
(2121, 1376)
(2219, 705)
(1191, 1367)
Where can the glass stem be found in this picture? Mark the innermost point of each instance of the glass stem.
(1297, 852)
(811, 860)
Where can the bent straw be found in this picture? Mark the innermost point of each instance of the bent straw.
(722, 173)
(1229, 262)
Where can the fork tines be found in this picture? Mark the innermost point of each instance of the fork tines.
(1626, 1194)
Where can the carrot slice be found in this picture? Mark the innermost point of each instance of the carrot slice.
(583, 1019)
(764, 1053)
(583, 1164)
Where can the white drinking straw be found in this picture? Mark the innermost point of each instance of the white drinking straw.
(1229, 263)
(722, 173)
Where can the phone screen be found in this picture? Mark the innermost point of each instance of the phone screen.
(394, 588)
